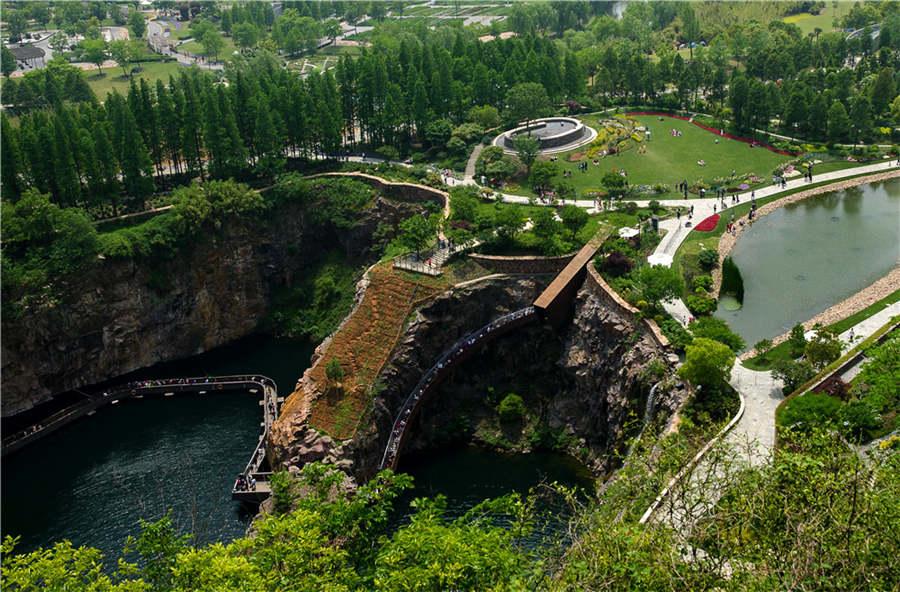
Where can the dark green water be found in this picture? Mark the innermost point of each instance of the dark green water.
(92, 481)
(805, 257)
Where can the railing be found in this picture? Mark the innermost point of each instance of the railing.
(446, 362)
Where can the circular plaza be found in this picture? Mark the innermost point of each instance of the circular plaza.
(554, 134)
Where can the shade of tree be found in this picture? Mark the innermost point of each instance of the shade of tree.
(883, 91)
(417, 232)
(707, 363)
(245, 35)
(573, 218)
(823, 348)
(124, 52)
(718, 330)
(657, 283)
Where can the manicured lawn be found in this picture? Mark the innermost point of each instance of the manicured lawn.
(113, 79)
(196, 48)
(824, 20)
(670, 159)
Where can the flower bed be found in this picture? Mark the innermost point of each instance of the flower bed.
(709, 224)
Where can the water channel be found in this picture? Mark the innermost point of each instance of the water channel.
(92, 482)
(805, 257)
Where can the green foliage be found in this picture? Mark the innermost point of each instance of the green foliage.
(702, 282)
(707, 363)
(732, 282)
(792, 374)
(526, 101)
(42, 244)
(61, 567)
(157, 548)
(762, 347)
(511, 408)
(717, 329)
(527, 148)
(797, 340)
(315, 305)
(542, 174)
(330, 201)
(282, 492)
(333, 370)
(573, 218)
(822, 349)
(677, 335)
(810, 411)
(708, 259)
(657, 283)
(700, 305)
(209, 206)
(417, 231)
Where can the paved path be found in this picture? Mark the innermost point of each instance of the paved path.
(864, 329)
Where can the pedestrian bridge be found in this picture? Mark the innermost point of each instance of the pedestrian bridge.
(451, 358)
(552, 305)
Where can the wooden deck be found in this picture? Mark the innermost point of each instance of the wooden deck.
(563, 284)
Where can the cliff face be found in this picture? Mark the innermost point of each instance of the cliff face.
(587, 381)
(121, 315)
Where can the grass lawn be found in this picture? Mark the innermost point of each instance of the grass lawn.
(113, 79)
(670, 159)
(824, 20)
(782, 350)
(196, 48)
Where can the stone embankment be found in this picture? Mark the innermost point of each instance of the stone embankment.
(727, 241)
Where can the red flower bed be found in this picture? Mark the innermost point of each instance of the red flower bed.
(715, 131)
(708, 224)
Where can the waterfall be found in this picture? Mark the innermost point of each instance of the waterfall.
(648, 414)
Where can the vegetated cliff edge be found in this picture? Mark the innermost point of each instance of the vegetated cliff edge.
(122, 315)
(584, 384)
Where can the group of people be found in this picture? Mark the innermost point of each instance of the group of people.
(245, 483)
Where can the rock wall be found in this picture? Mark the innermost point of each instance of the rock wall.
(588, 379)
(120, 316)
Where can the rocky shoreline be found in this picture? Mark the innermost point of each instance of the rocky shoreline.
(849, 306)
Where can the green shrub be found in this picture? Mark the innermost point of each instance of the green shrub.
(797, 340)
(708, 259)
(792, 374)
(677, 335)
(702, 282)
(810, 410)
(700, 305)
(511, 408)
(717, 329)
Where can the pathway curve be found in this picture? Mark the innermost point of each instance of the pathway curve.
(752, 437)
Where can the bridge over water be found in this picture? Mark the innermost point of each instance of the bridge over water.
(552, 306)
(202, 385)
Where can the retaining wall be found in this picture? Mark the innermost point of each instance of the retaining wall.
(396, 190)
(611, 298)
